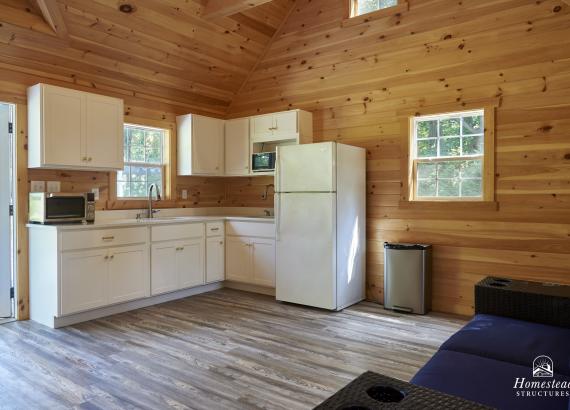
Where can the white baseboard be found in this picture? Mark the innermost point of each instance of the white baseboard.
(135, 304)
(264, 290)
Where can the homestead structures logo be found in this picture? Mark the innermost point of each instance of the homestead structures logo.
(543, 383)
(543, 366)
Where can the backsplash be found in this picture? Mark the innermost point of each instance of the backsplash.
(202, 191)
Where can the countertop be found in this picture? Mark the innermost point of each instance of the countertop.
(114, 223)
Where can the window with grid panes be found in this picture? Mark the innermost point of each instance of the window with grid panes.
(144, 161)
(447, 154)
(359, 7)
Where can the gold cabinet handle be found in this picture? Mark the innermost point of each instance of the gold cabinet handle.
(90, 159)
(84, 159)
(108, 238)
(214, 229)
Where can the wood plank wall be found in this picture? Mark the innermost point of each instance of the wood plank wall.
(362, 78)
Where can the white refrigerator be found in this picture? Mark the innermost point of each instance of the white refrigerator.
(320, 208)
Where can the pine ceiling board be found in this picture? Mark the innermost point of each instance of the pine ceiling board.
(223, 8)
(140, 40)
(271, 14)
(22, 18)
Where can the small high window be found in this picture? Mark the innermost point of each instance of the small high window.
(359, 7)
(144, 161)
(448, 156)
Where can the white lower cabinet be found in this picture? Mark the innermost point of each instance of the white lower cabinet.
(215, 264)
(129, 275)
(95, 278)
(263, 261)
(250, 259)
(84, 280)
(177, 263)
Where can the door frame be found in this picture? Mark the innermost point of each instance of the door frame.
(21, 268)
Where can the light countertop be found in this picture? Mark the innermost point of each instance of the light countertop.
(114, 223)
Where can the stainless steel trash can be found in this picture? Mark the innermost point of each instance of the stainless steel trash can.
(407, 277)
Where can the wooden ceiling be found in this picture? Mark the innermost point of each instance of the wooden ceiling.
(172, 55)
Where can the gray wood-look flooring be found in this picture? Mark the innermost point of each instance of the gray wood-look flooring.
(221, 350)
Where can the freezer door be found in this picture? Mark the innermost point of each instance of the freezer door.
(306, 168)
(306, 249)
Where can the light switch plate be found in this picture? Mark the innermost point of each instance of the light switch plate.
(37, 186)
(53, 186)
(96, 192)
(184, 194)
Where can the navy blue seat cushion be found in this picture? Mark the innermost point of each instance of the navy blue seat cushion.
(513, 341)
(485, 381)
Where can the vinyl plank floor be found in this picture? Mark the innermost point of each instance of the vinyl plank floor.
(226, 349)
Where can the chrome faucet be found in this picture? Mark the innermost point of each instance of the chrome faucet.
(264, 196)
(151, 212)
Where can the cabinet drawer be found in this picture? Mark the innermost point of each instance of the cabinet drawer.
(214, 228)
(258, 229)
(176, 232)
(95, 238)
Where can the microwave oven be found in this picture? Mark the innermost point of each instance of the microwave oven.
(51, 208)
(263, 162)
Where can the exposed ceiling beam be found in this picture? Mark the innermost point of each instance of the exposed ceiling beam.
(53, 16)
(223, 8)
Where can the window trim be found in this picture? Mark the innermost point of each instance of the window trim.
(488, 158)
(352, 19)
(163, 166)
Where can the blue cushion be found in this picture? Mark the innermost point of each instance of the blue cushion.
(513, 341)
(485, 381)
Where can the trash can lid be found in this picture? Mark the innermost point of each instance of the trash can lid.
(406, 246)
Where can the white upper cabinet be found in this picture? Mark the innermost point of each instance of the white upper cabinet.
(287, 125)
(200, 145)
(70, 129)
(237, 147)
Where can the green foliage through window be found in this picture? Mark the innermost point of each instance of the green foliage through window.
(449, 155)
(144, 160)
(368, 6)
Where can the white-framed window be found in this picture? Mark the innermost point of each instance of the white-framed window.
(448, 156)
(144, 161)
(359, 7)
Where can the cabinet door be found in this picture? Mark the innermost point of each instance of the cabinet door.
(262, 127)
(286, 124)
(103, 140)
(215, 259)
(263, 261)
(238, 259)
(207, 145)
(129, 276)
(163, 273)
(84, 281)
(63, 127)
(190, 263)
(237, 147)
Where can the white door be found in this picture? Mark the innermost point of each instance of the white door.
(207, 145)
(262, 127)
(103, 140)
(215, 259)
(238, 259)
(84, 280)
(263, 261)
(306, 249)
(306, 168)
(164, 276)
(63, 126)
(237, 147)
(129, 277)
(5, 232)
(286, 124)
(190, 263)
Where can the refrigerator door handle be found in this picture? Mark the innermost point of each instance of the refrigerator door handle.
(278, 216)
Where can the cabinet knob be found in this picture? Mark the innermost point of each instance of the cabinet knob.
(90, 159)
(221, 242)
(84, 159)
(112, 257)
(106, 257)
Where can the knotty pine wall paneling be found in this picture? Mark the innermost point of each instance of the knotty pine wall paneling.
(363, 80)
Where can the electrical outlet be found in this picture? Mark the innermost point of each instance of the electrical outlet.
(96, 192)
(37, 186)
(53, 186)
(184, 194)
